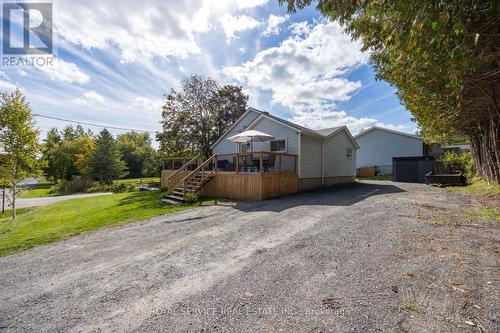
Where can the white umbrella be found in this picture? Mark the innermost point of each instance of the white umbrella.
(250, 135)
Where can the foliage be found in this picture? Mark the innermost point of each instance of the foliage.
(115, 188)
(67, 154)
(78, 185)
(105, 162)
(190, 197)
(195, 117)
(442, 56)
(461, 162)
(18, 141)
(138, 154)
(72, 217)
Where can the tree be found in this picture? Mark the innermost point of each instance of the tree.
(138, 154)
(18, 141)
(443, 59)
(67, 154)
(106, 163)
(51, 169)
(195, 117)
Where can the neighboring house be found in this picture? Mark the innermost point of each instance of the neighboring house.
(324, 157)
(377, 147)
(298, 158)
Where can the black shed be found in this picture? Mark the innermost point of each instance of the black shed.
(411, 169)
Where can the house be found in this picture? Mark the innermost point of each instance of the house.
(377, 147)
(297, 159)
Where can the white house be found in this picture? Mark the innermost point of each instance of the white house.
(323, 157)
(377, 147)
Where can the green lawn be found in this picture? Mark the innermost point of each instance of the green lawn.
(145, 180)
(382, 177)
(71, 217)
(478, 186)
(41, 189)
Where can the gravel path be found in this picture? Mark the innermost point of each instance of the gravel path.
(360, 258)
(44, 201)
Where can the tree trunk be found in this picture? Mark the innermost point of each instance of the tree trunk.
(14, 182)
(485, 148)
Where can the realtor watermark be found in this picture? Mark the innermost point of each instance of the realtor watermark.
(27, 34)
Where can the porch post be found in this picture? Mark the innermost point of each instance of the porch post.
(237, 163)
(261, 163)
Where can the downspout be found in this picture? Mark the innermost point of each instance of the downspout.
(322, 161)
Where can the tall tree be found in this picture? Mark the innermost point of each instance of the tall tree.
(443, 58)
(51, 168)
(106, 163)
(18, 141)
(138, 154)
(194, 117)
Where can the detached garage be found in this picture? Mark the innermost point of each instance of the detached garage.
(378, 146)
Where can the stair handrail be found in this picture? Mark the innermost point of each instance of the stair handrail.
(182, 168)
(193, 173)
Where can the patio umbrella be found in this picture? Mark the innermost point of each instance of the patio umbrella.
(250, 135)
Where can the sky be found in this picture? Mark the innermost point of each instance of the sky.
(117, 59)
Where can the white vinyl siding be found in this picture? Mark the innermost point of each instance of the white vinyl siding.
(226, 146)
(337, 163)
(378, 147)
(310, 157)
(278, 131)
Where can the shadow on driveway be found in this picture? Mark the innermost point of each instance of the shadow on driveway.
(340, 195)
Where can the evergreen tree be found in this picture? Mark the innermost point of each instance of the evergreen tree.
(106, 163)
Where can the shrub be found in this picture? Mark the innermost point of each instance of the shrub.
(115, 188)
(190, 197)
(75, 185)
(461, 162)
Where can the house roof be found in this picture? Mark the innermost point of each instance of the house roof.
(387, 130)
(322, 133)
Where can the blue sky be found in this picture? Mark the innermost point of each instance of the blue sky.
(116, 60)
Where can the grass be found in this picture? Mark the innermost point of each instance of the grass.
(145, 180)
(410, 307)
(381, 177)
(41, 189)
(72, 217)
(478, 186)
(489, 213)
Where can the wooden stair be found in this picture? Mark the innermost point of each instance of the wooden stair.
(194, 181)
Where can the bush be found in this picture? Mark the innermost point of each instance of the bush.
(461, 162)
(115, 188)
(190, 197)
(75, 185)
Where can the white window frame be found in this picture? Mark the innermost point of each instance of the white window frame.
(279, 151)
(348, 154)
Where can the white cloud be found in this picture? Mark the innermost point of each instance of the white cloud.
(65, 72)
(304, 73)
(147, 104)
(232, 24)
(243, 4)
(89, 97)
(5, 85)
(273, 24)
(151, 28)
(324, 119)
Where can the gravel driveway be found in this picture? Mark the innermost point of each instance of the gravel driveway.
(360, 258)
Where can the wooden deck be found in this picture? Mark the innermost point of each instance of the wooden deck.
(241, 176)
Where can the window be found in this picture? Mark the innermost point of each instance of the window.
(348, 153)
(278, 145)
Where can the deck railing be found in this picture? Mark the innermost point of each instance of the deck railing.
(257, 162)
(175, 163)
